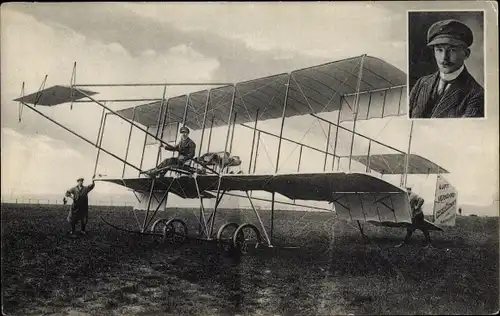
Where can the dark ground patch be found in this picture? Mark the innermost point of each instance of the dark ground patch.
(111, 272)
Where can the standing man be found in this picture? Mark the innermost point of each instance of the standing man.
(80, 208)
(417, 219)
(451, 92)
(186, 148)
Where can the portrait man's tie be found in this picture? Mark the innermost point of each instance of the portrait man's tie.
(442, 87)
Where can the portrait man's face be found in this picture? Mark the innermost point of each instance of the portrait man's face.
(450, 58)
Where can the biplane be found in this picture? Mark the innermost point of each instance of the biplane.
(358, 88)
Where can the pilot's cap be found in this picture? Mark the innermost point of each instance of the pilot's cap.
(184, 129)
(79, 179)
(451, 32)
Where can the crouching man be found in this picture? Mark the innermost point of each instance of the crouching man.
(79, 210)
(417, 219)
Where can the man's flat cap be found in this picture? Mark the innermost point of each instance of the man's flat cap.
(451, 32)
(79, 179)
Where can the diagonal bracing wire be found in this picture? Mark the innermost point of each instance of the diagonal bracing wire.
(327, 104)
(241, 96)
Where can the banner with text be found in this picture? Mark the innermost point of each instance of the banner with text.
(445, 203)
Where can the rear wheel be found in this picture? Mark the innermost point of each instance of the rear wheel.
(225, 235)
(246, 238)
(175, 231)
(158, 226)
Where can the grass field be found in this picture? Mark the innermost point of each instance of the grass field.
(111, 272)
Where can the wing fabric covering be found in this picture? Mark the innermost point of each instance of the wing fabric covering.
(356, 196)
(54, 95)
(298, 186)
(395, 164)
(318, 89)
(373, 207)
(328, 87)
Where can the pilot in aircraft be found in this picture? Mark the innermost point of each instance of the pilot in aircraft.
(417, 219)
(186, 148)
(79, 210)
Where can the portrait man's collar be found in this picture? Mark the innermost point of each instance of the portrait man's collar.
(452, 76)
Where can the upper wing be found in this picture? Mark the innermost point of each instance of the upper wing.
(323, 88)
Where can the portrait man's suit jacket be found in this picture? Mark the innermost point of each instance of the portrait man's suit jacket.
(463, 98)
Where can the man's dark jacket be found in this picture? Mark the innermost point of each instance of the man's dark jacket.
(463, 98)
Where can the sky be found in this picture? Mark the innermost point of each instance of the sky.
(214, 42)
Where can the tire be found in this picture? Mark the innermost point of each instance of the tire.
(226, 241)
(175, 231)
(158, 221)
(239, 239)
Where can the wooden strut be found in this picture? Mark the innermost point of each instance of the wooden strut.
(163, 199)
(121, 116)
(218, 199)
(151, 192)
(100, 135)
(161, 118)
(356, 109)
(253, 141)
(202, 208)
(204, 123)
(260, 220)
(78, 135)
(229, 125)
(211, 218)
(72, 84)
(130, 231)
(20, 103)
(128, 144)
(38, 93)
(361, 230)
(159, 84)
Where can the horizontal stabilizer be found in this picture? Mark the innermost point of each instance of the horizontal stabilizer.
(54, 96)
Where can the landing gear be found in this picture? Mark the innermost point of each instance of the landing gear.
(158, 227)
(363, 236)
(225, 235)
(175, 231)
(246, 238)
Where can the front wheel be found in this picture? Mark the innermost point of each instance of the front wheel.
(158, 225)
(225, 235)
(157, 228)
(175, 231)
(246, 237)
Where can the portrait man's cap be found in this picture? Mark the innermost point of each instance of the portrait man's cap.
(184, 129)
(79, 179)
(451, 32)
